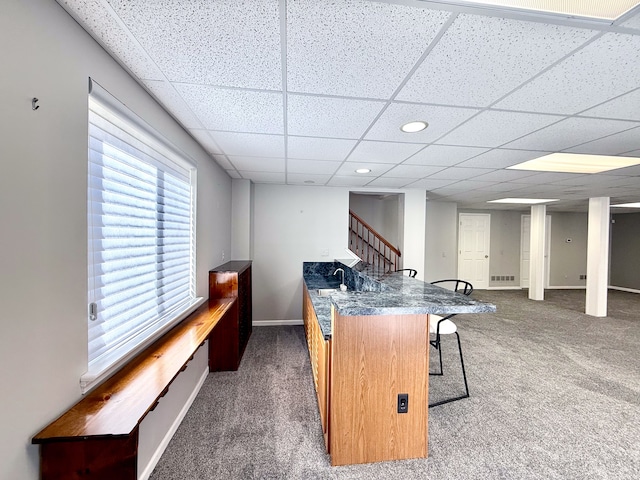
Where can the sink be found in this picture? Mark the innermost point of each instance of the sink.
(325, 292)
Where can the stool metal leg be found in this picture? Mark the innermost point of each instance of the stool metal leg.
(464, 376)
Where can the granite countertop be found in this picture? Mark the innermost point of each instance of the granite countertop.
(387, 294)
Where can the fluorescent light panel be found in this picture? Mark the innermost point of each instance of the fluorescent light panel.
(628, 205)
(576, 163)
(598, 10)
(524, 201)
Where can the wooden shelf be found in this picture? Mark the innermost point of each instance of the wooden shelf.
(98, 437)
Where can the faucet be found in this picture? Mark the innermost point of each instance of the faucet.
(343, 287)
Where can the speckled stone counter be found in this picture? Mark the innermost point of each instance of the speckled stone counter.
(371, 293)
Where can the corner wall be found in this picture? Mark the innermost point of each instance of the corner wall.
(43, 212)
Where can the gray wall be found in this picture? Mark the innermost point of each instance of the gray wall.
(625, 251)
(43, 213)
(441, 244)
(568, 259)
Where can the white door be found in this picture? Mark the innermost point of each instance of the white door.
(473, 249)
(525, 250)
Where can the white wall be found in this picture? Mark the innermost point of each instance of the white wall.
(43, 194)
(241, 219)
(293, 225)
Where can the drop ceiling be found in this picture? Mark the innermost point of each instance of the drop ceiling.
(304, 92)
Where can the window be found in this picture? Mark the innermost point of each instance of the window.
(140, 235)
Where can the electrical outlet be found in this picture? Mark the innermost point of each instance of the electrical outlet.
(403, 402)
(223, 255)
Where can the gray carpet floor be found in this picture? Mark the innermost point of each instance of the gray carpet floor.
(555, 394)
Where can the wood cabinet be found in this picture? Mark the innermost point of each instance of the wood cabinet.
(358, 375)
(229, 339)
(319, 349)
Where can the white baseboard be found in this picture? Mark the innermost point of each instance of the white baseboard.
(567, 287)
(514, 287)
(155, 458)
(624, 289)
(275, 323)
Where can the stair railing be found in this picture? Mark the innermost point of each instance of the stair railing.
(370, 246)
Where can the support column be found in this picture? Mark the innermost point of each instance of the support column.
(536, 262)
(598, 257)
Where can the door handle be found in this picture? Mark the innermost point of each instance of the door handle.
(486, 256)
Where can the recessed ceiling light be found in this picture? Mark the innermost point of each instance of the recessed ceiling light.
(628, 205)
(363, 170)
(524, 201)
(576, 163)
(413, 127)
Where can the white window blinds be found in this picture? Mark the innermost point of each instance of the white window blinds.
(141, 235)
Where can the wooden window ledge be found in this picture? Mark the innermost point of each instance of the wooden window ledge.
(116, 407)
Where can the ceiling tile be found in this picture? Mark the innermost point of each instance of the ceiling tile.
(167, 96)
(198, 42)
(235, 110)
(257, 164)
(312, 148)
(330, 117)
(233, 174)
(389, 182)
(612, 145)
(480, 59)
(624, 107)
(444, 155)
(569, 133)
(348, 181)
(203, 137)
(312, 166)
(633, 22)
(594, 72)
(382, 152)
(462, 186)
(631, 171)
(441, 120)
(412, 171)
(500, 187)
(307, 179)
(334, 47)
(430, 183)
(103, 25)
(457, 173)
(250, 144)
(545, 178)
(264, 177)
(501, 158)
(224, 162)
(492, 128)
(503, 175)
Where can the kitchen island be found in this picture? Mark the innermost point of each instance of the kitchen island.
(369, 350)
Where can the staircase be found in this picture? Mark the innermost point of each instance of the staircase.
(370, 246)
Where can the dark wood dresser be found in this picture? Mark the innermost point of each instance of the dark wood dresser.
(229, 339)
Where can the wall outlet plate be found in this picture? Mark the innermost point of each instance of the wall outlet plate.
(403, 402)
